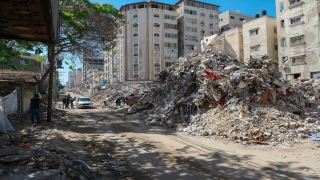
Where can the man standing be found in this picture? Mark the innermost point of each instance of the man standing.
(71, 101)
(64, 102)
(68, 101)
(34, 108)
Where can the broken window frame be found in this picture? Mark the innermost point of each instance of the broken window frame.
(255, 48)
(297, 40)
(298, 60)
(254, 32)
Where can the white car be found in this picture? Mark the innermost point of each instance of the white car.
(84, 102)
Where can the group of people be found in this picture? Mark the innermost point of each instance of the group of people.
(68, 100)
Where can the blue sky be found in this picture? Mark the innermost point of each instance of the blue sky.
(250, 7)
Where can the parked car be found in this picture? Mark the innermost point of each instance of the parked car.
(84, 102)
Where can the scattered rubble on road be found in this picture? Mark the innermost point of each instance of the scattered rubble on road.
(39, 152)
(212, 94)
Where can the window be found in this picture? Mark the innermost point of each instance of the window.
(216, 16)
(276, 47)
(231, 17)
(254, 32)
(156, 74)
(211, 32)
(135, 15)
(282, 24)
(156, 34)
(211, 24)
(171, 17)
(135, 34)
(136, 54)
(168, 64)
(135, 75)
(156, 25)
(285, 60)
(241, 19)
(156, 15)
(22, 62)
(202, 23)
(203, 31)
(295, 20)
(297, 40)
(135, 25)
(156, 55)
(281, 6)
(135, 44)
(157, 65)
(156, 45)
(171, 35)
(298, 60)
(170, 26)
(221, 20)
(170, 45)
(254, 49)
(135, 65)
(275, 29)
(202, 14)
(315, 75)
(283, 42)
(292, 2)
(211, 16)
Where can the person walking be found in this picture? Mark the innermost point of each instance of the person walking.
(71, 101)
(68, 101)
(64, 102)
(34, 108)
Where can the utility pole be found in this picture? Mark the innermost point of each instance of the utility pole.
(51, 69)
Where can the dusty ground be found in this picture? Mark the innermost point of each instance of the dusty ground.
(156, 153)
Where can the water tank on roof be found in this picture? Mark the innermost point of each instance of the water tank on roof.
(263, 13)
(257, 15)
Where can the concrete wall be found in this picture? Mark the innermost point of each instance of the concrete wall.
(264, 39)
(308, 28)
(233, 42)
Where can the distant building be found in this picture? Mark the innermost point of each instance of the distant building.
(260, 38)
(91, 62)
(231, 19)
(195, 20)
(299, 38)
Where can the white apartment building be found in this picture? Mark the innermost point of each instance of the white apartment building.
(148, 43)
(71, 79)
(299, 38)
(195, 20)
(78, 80)
(95, 77)
(230, 19)
(260, 38)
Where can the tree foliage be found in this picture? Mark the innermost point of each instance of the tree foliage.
(60, 86)
(84, 25)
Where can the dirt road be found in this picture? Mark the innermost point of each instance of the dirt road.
(153, 152)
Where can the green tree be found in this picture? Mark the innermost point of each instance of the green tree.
(84, 28)
(60, 86)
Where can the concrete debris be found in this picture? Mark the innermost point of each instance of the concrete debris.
(212, 94)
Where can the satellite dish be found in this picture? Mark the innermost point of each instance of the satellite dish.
(238, 11)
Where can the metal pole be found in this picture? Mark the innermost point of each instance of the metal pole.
(51, 68)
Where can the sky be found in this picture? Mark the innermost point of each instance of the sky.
(250, 7)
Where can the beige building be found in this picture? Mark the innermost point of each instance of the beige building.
(231, 19)
(230, 41)
(95, 77)
(147, 45)
(260, 38)
(298, 38)
(195, 20)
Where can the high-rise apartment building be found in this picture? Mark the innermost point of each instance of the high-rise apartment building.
(195, 20)
(260, 38)
(299, 38)
(231, 19)
(148, 43)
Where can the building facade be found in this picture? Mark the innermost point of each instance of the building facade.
(148, 44)
(231, 19)
(230, 41)
(299, 38)
(260, 38)
(195, 20)
(91, 62)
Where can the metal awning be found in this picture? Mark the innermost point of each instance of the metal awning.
(32, 20)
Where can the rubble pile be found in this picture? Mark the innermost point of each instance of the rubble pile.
(211, 93)
(119, 90)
